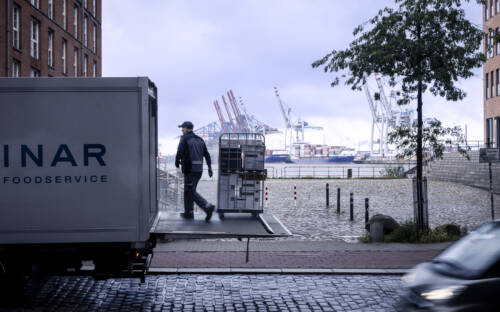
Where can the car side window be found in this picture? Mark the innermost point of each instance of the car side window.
(493, 271)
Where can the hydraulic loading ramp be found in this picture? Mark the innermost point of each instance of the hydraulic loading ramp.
(169, 225)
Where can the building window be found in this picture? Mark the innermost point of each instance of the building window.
(15, 27)
(94, 4)
(489, 132)
(497, 6)
(497, 81)
(75, 22)
(16, 68)
(35, 3)
(34, 73)
(65, 20)
(491, 8)
(75, 63)
(63, 57)
(492, 80)
(486, 10)
(50, 49)
(497, 137)
(85, 27)
(51, 9)
(497, 45)
(35, 29)
(95, 69)
(490, 45)
(85, 3)
(94, 41)
(487, 87)
(85, 65)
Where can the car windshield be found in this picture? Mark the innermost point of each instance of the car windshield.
(474, 253)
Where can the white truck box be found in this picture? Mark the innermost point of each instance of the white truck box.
(77, 160)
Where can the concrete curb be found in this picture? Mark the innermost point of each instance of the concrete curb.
(275, 271)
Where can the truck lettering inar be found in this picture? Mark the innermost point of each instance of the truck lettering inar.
(62, 155)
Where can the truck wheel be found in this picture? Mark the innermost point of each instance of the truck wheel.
(12, 290)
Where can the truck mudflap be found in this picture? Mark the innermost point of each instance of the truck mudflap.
(170, 225)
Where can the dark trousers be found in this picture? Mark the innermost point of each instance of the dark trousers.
(190, 195)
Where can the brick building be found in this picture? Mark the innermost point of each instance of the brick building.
(491, 72)
(50, 38)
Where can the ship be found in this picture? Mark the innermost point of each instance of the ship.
(277, 156)
(311, 153)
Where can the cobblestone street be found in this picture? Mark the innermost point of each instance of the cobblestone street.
(221, 293)
(310, 220)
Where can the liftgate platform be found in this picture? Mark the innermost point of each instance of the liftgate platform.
(240, 194)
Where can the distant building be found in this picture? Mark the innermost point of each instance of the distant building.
(50, 38)
(491, 21)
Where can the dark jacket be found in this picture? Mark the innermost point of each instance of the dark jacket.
(190, 153)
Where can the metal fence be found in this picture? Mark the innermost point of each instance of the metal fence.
(171, 188)
(337, 172)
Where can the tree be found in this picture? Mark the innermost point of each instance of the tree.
(435, 139)
(421, 45)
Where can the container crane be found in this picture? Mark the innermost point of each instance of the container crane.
(286, 117)
(299, 126)
(221, 117)
(233, 128)
(384, 116)
(378, 119)
(237, 112)
(248, 119)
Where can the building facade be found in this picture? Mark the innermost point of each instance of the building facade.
(50, 38)
(491, 72)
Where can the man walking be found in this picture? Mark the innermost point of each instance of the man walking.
(190, 153)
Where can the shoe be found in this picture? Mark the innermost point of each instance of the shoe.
(187, 215)
(210, 209)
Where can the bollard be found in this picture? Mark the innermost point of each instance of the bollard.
(295, 195)
(377, 232)
(327, 195)
(265, 202)
(338, 200)
(351, 207)
(367, 213)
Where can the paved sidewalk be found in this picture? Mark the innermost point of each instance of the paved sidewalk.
(333, 254)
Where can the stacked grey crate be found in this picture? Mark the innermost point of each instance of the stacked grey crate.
(241, 173)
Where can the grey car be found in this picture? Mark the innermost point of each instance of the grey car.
(464, 277)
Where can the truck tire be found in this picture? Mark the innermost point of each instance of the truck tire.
(12, 290)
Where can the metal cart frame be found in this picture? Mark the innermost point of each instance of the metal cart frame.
(241, 176)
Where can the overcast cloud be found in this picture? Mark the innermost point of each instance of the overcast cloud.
(197, 50)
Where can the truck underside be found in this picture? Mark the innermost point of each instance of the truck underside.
(18, 262)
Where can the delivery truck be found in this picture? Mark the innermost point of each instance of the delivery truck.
(79, 180)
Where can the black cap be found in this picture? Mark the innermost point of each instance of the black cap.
(187, 124)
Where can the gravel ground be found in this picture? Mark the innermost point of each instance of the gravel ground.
(220, 293)
(309, 219)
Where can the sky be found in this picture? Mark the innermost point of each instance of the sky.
(196, 50)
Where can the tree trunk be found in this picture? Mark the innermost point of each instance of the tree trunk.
(420, 197)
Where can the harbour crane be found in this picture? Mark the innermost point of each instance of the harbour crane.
(378, 119)
(248, 119)
(221, 117)
(237, 113)
(384, 116)
(299, 125)
(233, 128)
(242, 122)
